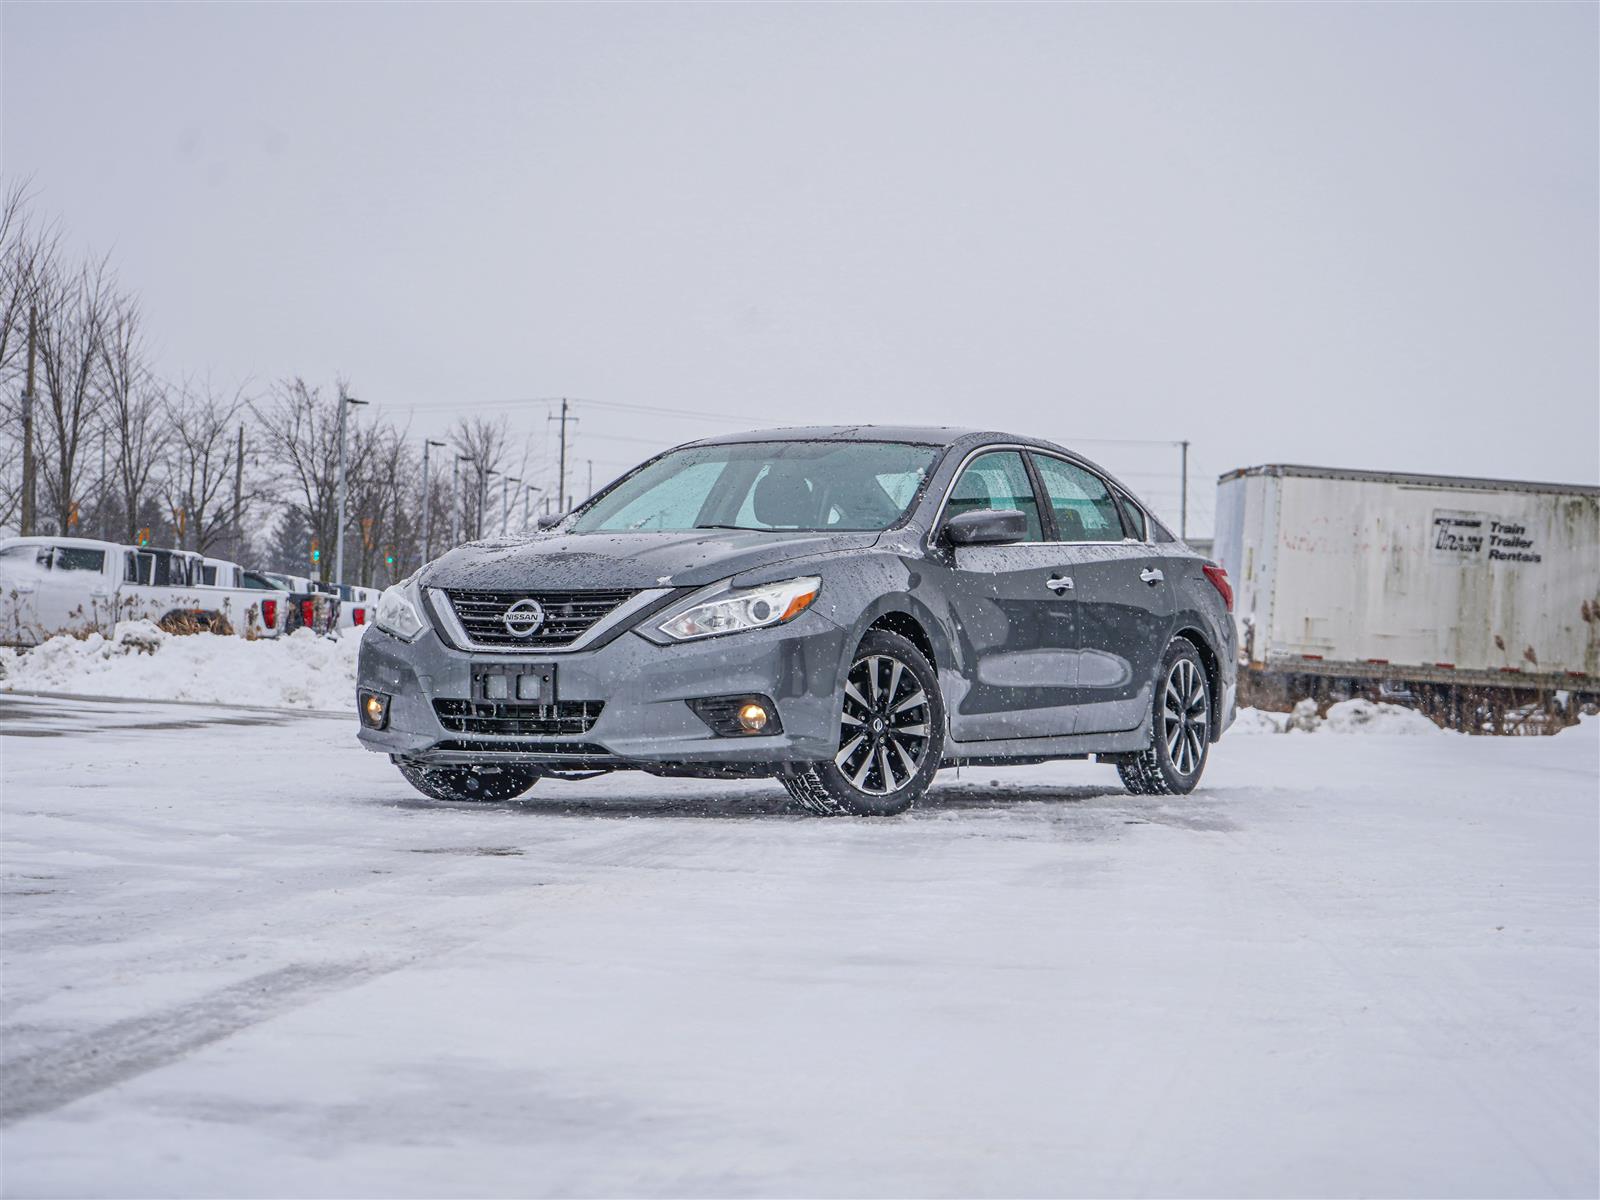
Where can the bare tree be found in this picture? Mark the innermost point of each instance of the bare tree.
(135, 414)
(485, 443)
(72, 309)
(300, 431)
(198, 482)
(27, 253)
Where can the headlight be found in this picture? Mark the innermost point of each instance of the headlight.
(746, 608)
(400, 612)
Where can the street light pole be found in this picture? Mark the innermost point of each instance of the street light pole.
(483, 501)
(345, 404)
(455, 500)
(527, 497)
(427, 498)
(1183, 489)
(505, 493)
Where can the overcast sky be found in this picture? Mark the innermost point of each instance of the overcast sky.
(1337, 234)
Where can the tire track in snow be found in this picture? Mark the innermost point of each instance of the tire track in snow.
(48, 1079)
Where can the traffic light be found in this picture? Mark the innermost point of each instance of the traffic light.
(316, 550)
(144, 536)
(389, 558)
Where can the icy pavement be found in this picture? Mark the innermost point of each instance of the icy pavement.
(242, 958)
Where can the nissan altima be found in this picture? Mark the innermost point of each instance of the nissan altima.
(847, 610)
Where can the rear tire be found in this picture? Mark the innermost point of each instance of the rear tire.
(891, 735)
(465, 784)
(1180, 728)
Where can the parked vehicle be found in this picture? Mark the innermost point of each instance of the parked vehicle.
(847, 609)
(312, 605)
(357, 605)
(51, 585)
(218, 572)
(1465, 597)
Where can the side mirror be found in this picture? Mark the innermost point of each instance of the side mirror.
(986, 527)
(550, 520)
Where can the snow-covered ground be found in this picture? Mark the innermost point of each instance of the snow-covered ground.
(241, 957)
(301, 671)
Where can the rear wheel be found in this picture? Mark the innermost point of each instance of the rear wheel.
(465, 783)
(891, 734)
(1181, 729)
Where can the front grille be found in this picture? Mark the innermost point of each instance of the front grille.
(561, 719)
(567, 615)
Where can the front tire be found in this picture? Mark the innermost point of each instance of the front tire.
(465, 784)
(1180, 728)
(891, 735)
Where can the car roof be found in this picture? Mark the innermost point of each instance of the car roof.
(926, 435)
(46, 539)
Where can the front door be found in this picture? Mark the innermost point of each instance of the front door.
(1122, 602)
(1013, 630)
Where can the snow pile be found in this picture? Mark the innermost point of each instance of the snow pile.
(1348, 716)
(1255, 720)
(143, 662)
(1368, 716)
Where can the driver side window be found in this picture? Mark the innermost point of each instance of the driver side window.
(997, 480)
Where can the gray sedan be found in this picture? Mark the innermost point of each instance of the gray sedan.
(845, 609)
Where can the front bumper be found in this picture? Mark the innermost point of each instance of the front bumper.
(644, 688)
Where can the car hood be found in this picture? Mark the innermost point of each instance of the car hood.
(584, 561)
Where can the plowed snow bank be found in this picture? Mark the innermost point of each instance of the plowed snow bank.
(299, 671)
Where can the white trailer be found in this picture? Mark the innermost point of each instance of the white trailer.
(1419, 585)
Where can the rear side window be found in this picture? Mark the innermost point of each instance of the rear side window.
(78, 558)
(997, 480)
(1080, 502)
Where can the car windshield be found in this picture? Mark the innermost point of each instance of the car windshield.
(781, 486)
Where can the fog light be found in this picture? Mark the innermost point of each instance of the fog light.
(374, 710)
(744, 715)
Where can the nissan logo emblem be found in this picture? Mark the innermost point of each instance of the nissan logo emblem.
(523, 618)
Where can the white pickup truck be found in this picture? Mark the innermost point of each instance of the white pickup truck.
(51, 585)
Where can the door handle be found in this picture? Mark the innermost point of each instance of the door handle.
(1151, 576)
(1059, 584)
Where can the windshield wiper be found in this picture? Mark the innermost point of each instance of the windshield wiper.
(746, 528)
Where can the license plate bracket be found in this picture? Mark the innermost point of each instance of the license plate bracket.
(514, 683)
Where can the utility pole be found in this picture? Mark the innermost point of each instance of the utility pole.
(591, 477)
(345, 404)
(1183, 491)
(427, 498)
(238, 497)
(527, 498)
(483, 501)
(25, 525)
(561, 475)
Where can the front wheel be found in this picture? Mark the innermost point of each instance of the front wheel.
(1181, 729)
(464, 783)
(891, 734)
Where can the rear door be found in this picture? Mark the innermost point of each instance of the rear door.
(76, 595)
(1013, 630)
(1122, 605)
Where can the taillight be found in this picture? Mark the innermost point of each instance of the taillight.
(269, 613)
(1219, 580)
(358, 616)
(308, 613)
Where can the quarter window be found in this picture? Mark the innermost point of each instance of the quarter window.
(1080, 502)
(997, 480)
(1133, 515)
